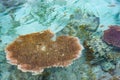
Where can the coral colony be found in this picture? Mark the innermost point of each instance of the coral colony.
(36, 51)
(112, 36)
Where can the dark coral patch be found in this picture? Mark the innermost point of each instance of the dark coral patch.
(112, 36)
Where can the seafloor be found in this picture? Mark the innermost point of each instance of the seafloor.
(85, 19)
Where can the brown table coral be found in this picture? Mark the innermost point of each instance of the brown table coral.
(37, 51)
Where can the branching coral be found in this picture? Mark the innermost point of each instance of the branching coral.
(37, 51)
(99, 53)
(112, 36)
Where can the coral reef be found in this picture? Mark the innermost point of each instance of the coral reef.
(112, 35)
(80, 25)
(79, 18)
(99, 53)
(36, 51)
(79, 71)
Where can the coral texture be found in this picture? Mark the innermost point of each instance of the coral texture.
(112, 36)
(99, 53)
(36, 51)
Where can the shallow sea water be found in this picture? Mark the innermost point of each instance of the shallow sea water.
(85, 19)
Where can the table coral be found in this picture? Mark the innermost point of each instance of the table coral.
(112, 36)
(37, 51)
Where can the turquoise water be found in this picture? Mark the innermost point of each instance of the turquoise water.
(85, 19)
